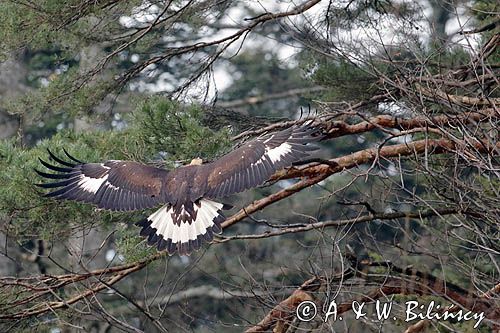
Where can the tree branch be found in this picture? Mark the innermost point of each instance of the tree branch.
(282, 313)
(263, 98)
(317, 173)
(336, 223)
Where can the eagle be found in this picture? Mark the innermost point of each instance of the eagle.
(189, 215)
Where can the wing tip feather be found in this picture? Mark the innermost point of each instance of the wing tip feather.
(71, 157)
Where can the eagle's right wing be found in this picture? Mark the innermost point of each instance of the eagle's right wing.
(256, 161)
(113, 185)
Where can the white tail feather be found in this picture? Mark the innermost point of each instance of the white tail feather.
(162, 223)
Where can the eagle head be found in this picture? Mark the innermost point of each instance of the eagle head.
(196, 161)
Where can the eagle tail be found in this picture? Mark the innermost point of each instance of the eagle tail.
(183, 236)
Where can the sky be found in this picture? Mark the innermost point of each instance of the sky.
(221, 79)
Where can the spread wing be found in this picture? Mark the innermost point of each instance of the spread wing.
(113, 185)
(254, 162)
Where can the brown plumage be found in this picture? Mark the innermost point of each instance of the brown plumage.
(188, 216)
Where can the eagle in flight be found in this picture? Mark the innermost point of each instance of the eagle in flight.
(188, 216)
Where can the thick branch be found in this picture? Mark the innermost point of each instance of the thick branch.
(340, 128)
(410, 281)
(335, 129)
(317, 173)
(458, 99)
(280, 316)
(422, 324)
(396, 281)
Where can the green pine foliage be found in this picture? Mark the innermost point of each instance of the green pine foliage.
(51, 35)
(172, 128)
(50, 100)
(486, 12)
(347, 81)
(158, 128)
(69, 25)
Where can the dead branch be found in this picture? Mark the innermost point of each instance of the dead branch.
(336, 128)
(280, 316)
(336, 223)
(316, 173)
(409, 282)
(443, 97)
(176, 51)
(422, 324)
(43, 286)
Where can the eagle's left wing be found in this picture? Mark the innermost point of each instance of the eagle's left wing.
(253, 163)
(113, 185)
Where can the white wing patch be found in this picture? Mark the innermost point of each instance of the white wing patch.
(91, 184)
(275, 154)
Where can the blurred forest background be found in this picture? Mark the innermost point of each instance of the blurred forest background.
(401, 203)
